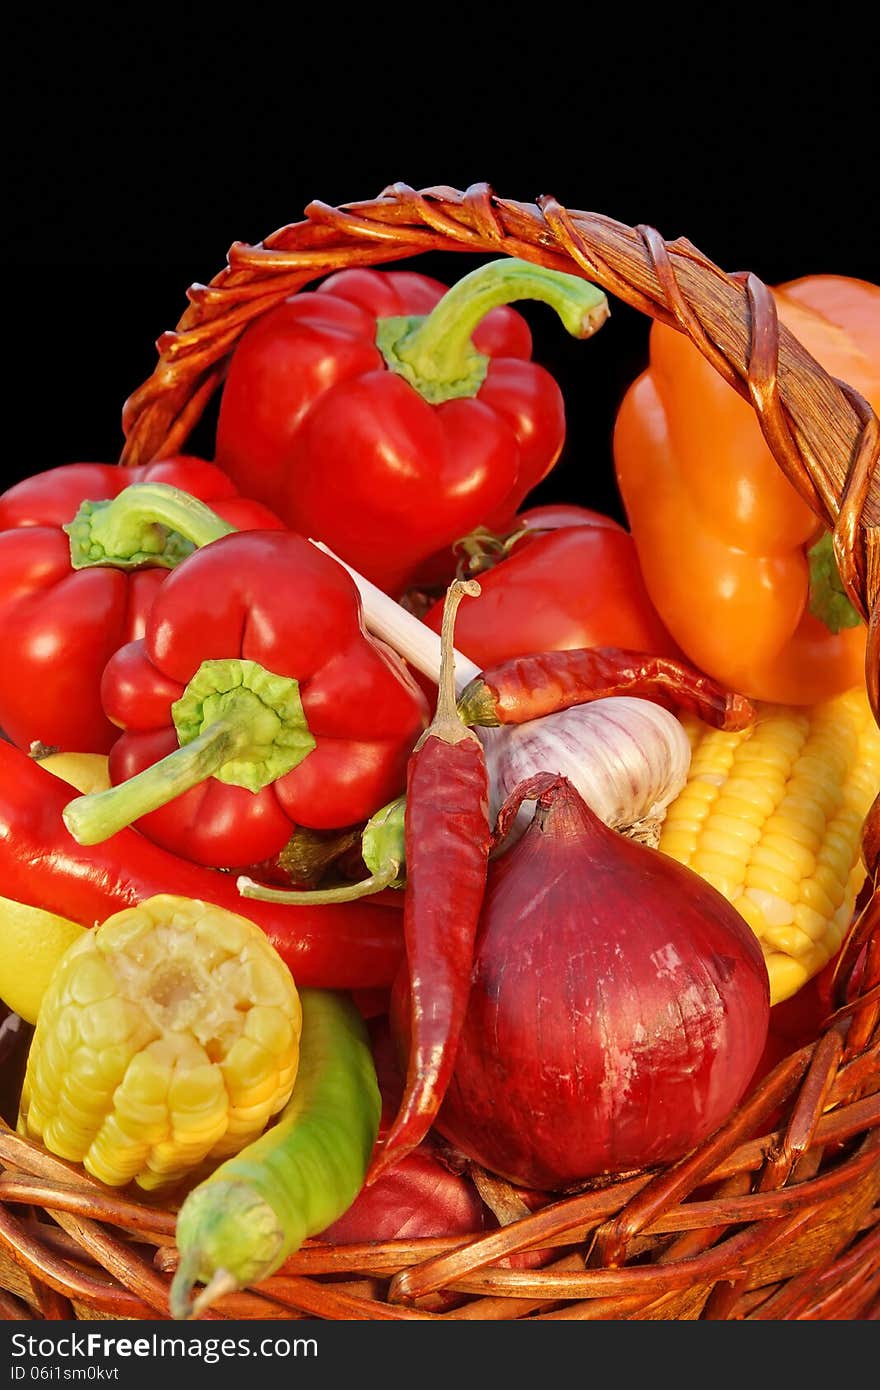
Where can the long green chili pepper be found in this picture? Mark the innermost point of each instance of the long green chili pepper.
(241, 1223)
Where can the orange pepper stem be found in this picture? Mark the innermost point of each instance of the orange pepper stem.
(829, 601)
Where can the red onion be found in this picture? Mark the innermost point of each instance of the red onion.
(618, 1010)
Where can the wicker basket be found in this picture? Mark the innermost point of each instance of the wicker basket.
(776, 1216)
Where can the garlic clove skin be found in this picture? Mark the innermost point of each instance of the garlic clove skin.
(627, 757)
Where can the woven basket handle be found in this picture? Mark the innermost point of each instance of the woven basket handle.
(823, 434)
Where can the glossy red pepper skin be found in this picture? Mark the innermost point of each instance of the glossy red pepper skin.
(270, 598)
(314, 423)
(337, 946)
(529, 687)
(61, 625)
(575, 586)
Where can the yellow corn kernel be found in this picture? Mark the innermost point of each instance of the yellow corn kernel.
(724, 871)
(772, 816)
(725, 832)
(166, 1039)
(786, 855)
(745, 797)
(786, 974)
(770, 880)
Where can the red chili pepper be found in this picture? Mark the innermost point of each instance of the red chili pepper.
(448, 835)
(347, 946)
(528, 687)
(387, 417)
(78, 577)
(255, 702)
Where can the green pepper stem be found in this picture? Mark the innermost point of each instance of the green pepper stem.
(435, 352)
(91, 819)
(383, 848)
(314, 897)
(829, 601)
(145, 524)
(477, 705)
(235, 721)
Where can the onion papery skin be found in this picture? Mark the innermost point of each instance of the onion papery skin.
(618, 1010)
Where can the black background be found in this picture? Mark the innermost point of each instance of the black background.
(143, 148)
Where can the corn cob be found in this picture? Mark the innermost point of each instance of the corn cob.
(166, 1040)
(772, 817)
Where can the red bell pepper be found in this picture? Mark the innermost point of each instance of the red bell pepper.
(255, 702)
(387, 416)
(78, 577)
(577, 585)
(339, 946)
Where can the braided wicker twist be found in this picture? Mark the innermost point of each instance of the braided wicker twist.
(777, 1215)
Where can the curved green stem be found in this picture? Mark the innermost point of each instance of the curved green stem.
(235, 720)
(314, 897)
(434, 352)
(91, 819)
(383, 848)
(145, 524)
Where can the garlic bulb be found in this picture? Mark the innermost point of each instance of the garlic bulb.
(628, 758)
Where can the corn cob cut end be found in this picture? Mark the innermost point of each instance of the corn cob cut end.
(167, 1039)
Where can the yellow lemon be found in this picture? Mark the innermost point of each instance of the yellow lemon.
(85, 771)
(31, 944)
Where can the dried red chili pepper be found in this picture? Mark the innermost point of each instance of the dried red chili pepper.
(448, 836)
(528, 687)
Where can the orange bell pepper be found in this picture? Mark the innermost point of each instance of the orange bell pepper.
(738, 566)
